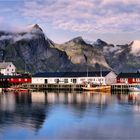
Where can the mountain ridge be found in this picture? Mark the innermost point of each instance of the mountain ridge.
(39, 53)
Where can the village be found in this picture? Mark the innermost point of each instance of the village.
(66, 80)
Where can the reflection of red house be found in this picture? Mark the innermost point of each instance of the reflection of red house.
(129, 78)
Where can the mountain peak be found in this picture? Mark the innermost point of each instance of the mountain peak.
(100, 42)
(34, 28)
(78, 39)
(135, 47)
(136, 42)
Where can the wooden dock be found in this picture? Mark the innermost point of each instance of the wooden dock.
(115, 88)
(121, 88)
(53, 86)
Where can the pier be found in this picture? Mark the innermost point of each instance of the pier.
(53, 86)
(121, 88)
(115, 88)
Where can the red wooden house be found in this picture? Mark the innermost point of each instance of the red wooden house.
(6, 80)
(129, 78)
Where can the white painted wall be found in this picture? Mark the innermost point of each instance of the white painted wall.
(3, 71)
(38, 80)
(79, 80)
(9, 70)
(110, 78)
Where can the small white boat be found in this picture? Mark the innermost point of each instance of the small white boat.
(136, 88)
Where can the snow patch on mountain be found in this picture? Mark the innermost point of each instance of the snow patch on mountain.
(135, 48)
(111, 49)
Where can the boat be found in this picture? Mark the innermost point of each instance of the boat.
(97, 88)
(135, 88)
(88, 86)
(15, 90)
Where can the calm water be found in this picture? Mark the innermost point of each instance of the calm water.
(42, 115)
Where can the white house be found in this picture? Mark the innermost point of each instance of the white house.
(95, 77)
(7, 68)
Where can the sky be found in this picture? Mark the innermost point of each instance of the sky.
(114, 21)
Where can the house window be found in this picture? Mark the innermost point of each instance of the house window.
(56, 80)
(65, 80)
(46, 81)
(137, 79)
(122, 80)
(7, 69)
(74, 80)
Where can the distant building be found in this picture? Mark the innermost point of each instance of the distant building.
(129, 78)
(96, 77)
(7, 68)
(6, 80)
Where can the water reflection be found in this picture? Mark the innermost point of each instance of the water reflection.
(31, 109)
(132, 97)
(17, 108)
(44, 112)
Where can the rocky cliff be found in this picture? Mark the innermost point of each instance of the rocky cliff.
(123, 58)
(30, 50)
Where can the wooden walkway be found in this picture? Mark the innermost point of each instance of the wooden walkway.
(53, 86)
(115, 88)
(122, 88)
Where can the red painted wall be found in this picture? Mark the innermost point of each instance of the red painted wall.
(19, 80)
(130, 80)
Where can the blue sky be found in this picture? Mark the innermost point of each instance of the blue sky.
(115, 21)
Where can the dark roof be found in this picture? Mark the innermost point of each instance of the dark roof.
(129, 75)
(72, 74)
(14, 76)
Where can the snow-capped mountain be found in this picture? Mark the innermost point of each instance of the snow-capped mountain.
(135, 47)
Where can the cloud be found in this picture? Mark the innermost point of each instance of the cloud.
(111, 49)
(1, 20)
(6, 37)
(125, 2)
(101, 16)
(17, 37)
(27, 36)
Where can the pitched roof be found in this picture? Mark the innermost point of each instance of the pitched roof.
(72, 74)
(4, 65)
(129, 75)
